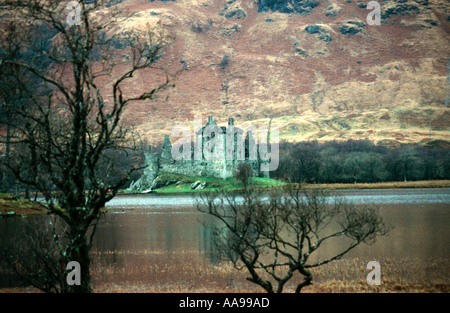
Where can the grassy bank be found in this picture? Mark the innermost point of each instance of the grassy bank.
(10, 206)
(180, 184)
(183, 183)
(215, 184)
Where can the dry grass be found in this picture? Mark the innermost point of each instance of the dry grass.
(162, 271)
(187, 271)
(383, 185)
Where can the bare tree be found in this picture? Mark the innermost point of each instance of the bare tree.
(67, 126)
(11, 96)
(243, 173)
(408, 163)
(36, 254)
(274, 237)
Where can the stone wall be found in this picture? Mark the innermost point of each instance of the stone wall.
(217, 167)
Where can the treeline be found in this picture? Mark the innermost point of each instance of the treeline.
(352, 161)
(113, 164)
(360, 161)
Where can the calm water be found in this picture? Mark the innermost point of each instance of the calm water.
(419, 217)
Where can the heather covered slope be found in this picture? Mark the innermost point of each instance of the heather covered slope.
(314, 66)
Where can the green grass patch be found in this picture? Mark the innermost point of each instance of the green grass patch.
(9, 205)
(213, 184)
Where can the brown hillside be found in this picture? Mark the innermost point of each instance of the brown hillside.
(324, 74)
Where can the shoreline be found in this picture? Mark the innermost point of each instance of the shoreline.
(10, 207)
(334, 186)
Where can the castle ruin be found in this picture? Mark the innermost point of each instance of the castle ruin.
(200, 163)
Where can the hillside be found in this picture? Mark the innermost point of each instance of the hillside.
(315, 67)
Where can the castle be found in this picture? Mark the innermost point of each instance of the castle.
(204, 159)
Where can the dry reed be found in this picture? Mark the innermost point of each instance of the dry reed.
(187, 271)
(121, 271)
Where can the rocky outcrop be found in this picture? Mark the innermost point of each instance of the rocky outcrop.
(287, 6)
(194, 185)
(160, 182)
(312, 29)
(402, 7)
(197, 185)
(352, 27)
(322, 33)
(333, 10)
(233, 11)
(229, 31)
(151, 163)
(301, 52)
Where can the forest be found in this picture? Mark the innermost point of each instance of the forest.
(361, 161)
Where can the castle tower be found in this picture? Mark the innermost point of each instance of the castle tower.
(166, 151)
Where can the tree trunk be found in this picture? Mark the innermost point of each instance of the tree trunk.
(5, 169)
(306, 281)
(405, 169)
(16, 194)
(79, 251)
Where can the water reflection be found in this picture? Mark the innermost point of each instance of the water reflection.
(419, 218)
(171, 225)
(418, 231)
(158, 203)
